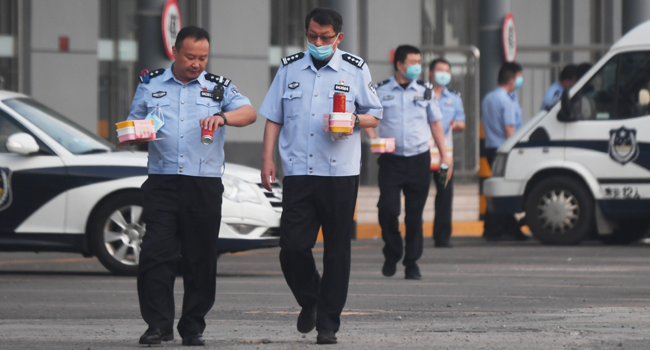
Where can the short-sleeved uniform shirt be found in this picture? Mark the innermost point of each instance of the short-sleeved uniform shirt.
(497, 111)
(184, 105)
(407, 114)
(553, 94)
(300, 95)
(519, 116)
(451, 107)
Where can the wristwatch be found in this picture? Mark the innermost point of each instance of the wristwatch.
(225, 120)
(357, 121)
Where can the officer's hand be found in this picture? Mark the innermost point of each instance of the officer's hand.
(212, 123)
(268, 174)
(446, 160)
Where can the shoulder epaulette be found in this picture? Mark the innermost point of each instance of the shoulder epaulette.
(355, 61)
(293, 58)
(428, 86)
(150, 75)
(217, 79)
(454, 92)
(382, 82)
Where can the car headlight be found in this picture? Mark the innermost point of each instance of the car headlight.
(239, 191)
(499, 165)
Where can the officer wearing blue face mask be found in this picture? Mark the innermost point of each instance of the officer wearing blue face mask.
(321, 170)
(519, 118)
(501, 116)
(453, 119)
(411, 116)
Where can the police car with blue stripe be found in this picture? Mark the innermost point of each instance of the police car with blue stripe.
(583, 167)
(64, 189)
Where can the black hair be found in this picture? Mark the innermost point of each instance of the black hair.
(582, 68)
(325, 16)
(432, 66)
(508, 71)
(569, 72)
(402, 52)
(191, 32)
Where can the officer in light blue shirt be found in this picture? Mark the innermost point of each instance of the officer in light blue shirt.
(182, 195)
(519, 116)
(411, 116)
(568, 77)
(499, 117)
(453, 118)
(321, 169)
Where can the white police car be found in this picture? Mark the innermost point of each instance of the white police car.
(584, 166)
(64, 189)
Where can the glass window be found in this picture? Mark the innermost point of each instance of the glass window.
(8, 127)
(620, 90)
(64, 131)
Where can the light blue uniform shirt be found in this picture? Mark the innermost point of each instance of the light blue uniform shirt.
(183, 105)
(298, 98)
(497, 111)
(553, 94)
(451, 107)
(407, 116)
(519, 118)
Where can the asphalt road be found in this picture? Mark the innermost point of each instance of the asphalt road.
(473, 296)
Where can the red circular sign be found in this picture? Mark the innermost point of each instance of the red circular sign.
(509, 38)
(171, 24)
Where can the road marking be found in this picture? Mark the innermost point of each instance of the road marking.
(47, 261)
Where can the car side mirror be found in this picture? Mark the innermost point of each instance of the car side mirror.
(22, 143)
(565, 114)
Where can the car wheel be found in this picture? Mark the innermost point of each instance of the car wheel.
(116, 232)
(629, 231)
(560, 210)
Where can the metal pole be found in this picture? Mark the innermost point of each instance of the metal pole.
(349, 10)
(493, 13)
(635, 12)
(151, 49)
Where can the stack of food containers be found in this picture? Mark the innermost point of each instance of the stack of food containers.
(386, 145)
(135, 130)
(340, 122)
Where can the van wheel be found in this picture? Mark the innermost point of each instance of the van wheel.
(560, 210)
(629, 231)
(116, 230)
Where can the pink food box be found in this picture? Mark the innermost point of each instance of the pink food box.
(383, 145)
(136, 130)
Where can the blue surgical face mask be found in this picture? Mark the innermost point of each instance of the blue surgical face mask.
(321, 52)
(442, 78)
(412, 72)
(518, 82)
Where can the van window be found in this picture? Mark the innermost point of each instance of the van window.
(8, 127)
(620, 89)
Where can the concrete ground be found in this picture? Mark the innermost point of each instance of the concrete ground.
(473, 296)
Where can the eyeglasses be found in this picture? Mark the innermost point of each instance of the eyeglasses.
(314, 37)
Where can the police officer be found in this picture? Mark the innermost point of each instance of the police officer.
(500, 120)
(453, 119)
(321, 171)
(182, 195)
(411, 116)
(568, 77)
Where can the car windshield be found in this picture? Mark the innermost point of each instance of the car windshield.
(69, 134)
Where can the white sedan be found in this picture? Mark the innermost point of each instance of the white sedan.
(65, 189)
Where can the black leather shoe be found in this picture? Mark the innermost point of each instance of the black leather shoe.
(412, 272)
(389, 268)
(307, 319)
(156, 336)
(326, 336)
(194, 340)
(442, 244)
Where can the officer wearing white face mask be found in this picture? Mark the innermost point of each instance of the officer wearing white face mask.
(453, 119)
(411, 116)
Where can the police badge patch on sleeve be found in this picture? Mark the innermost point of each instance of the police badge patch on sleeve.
(623, 147)
(234, 91)
(371, 86)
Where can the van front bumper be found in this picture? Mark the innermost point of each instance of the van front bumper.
(503, 196)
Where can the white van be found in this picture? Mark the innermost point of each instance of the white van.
(584, 166)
